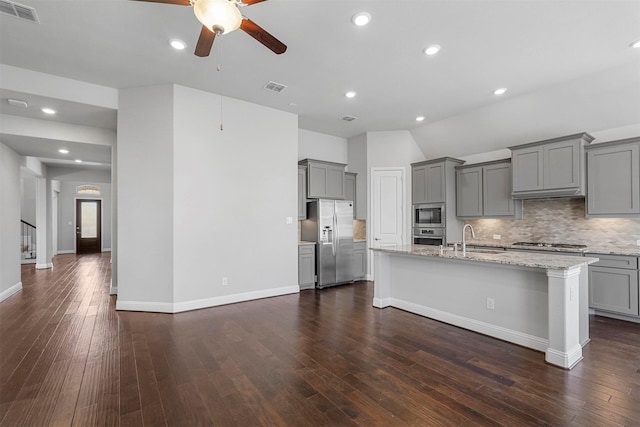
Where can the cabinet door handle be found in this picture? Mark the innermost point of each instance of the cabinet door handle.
(376, 239)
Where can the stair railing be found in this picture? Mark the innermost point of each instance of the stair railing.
(28, 240)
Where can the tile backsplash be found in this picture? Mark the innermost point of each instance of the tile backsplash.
(359, 229)
(559, 221)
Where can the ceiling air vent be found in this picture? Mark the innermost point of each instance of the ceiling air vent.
(275, 87)
(349, 118)
(19, 11)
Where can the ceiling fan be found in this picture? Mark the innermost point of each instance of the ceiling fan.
(221, 17)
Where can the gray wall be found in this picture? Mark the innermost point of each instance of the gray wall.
(66, 214)
(28, 200)
(9, 220)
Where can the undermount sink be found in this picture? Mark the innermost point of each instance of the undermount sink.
(486, 251)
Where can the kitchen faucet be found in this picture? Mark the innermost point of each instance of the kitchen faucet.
(464, 241)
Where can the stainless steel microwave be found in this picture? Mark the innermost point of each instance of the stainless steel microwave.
(429, 215)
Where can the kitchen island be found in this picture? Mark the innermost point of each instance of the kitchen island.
(538, 301)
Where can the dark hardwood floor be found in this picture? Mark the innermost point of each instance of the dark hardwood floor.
(318, 358)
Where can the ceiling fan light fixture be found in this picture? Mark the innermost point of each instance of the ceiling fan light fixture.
(223, 14)
(500, 91)
(419, 118)
(350, 94)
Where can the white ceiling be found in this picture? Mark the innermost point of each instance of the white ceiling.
(527, 46)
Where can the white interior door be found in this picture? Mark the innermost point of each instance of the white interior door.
(387, 207)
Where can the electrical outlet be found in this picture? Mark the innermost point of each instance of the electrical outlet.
(225, 281)
(638, 242)
(289, 220)
(497, 237)
(491, 304)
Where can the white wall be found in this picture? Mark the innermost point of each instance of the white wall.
(145, 195)
(319, 146)
(233, 191)
(196, 204)
(9, 222)
(357, 160)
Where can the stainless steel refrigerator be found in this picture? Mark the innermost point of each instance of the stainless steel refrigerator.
(330, 225)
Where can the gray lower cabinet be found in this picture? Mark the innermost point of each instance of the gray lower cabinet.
(302, 192)
(350, 189)
(307, 266)
(613, 284)
(359, 260)
(613, 179)
(550, 168)
(483, 190)
(325, 180)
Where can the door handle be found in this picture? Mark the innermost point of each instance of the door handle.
(376, 238)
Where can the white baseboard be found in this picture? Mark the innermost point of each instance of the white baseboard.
(165, 307)
(44, 266)
(157, 307)
(28, 261)
(520, 338)
(106, 250)
(113, 290)
(12, 290)
(70, 251)
(369, 277)
(565, 360)
(381, 302)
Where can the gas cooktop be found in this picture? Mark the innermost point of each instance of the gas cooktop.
(550, 245)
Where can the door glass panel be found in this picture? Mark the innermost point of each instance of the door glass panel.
(89, 227)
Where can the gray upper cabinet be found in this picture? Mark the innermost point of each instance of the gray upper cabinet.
(550, 168)
(325, 180)
(350, 189)
(483, 190)
(613, 179)
(469, 192)
(428, 180)
(302, 192)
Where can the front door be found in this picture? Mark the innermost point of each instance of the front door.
(88, 226)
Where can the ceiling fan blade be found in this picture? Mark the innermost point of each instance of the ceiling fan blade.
(177, 2)
(250, 2)
(205, 42)
(258, 33)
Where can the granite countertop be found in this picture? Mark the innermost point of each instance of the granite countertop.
(304, 243)
(523, 259)
(605, 250)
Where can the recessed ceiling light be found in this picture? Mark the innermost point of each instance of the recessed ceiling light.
(78, 161)
(419, 118)
(500, 91)
(350, 94)
(361, 19)
(178, 44)
(635, 44)
(63, 151)
(48, 110)
(432, 50)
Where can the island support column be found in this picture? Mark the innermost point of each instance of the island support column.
(382, 282)
(564, 321)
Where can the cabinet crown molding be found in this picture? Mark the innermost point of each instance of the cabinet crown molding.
(583, 135)
(438, 160)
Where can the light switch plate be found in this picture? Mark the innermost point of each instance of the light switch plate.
(289, 220)
(497, 237)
